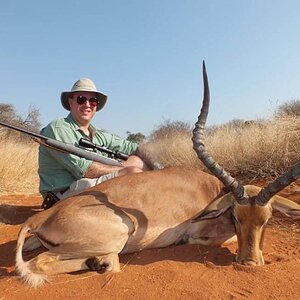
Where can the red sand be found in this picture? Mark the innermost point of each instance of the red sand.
(181, 272)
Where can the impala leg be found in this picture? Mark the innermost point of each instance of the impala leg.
(50, 264)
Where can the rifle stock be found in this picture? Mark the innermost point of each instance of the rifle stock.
(60, 146)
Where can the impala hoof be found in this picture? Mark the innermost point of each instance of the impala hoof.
(94, 265)
(109, 262)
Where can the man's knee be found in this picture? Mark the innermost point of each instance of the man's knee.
(136, 161)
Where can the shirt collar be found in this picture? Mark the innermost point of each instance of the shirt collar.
(75, 126)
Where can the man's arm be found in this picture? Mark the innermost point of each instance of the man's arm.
(97, 169)
(134, 163)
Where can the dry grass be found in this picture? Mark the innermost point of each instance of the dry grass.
(18, 166)
(251, 151)
(258, 149)
(173, 150)
(254, 150)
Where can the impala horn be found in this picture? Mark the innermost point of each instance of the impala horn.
(278, 184)
(231, 183)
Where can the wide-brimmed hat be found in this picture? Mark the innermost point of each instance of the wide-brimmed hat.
(83, 85)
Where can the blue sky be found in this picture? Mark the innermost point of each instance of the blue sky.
(147, 56)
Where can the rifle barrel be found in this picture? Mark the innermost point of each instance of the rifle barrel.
(39, 136)
(60, 146)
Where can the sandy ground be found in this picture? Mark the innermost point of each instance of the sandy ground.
(181, 272)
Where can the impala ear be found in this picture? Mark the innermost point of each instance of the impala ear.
(287, 207)
(215, 209)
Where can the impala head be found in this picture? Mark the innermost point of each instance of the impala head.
(250, 206)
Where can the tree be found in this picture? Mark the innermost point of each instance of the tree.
(32, 121)
(9, 115)
(290, 108)
(135, 137)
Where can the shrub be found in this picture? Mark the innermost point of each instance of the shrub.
(291, 108)
(169, 128)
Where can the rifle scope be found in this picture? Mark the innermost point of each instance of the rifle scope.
(115, 154)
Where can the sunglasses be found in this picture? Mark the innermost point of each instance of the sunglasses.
(82, 99)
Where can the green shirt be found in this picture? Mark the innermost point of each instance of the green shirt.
(58, 170)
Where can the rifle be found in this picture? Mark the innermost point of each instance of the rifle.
(68, 148)
(115, 154)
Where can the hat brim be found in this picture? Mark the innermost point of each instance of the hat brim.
(64, 98)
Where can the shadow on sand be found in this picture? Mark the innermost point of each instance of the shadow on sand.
(17, 214)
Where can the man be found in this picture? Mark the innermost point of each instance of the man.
(62, 174)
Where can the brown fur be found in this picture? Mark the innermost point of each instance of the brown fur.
(139, 211)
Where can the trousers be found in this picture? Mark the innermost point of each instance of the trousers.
(82, 184)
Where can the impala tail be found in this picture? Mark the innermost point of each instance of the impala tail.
(23, 268)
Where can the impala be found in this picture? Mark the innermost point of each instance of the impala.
(150, 210)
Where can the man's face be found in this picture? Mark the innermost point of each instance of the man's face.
(83, 107)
